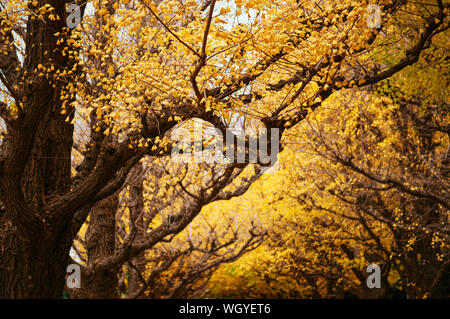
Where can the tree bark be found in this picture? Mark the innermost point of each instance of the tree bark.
(30, 268)
(136, 216)
(100, 243)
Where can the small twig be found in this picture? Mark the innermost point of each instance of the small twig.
(171, 32)
(13, 93)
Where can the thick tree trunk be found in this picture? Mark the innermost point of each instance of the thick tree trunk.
(35, 267)
(136, 215)
(35, 166)
(30, 268)
(101, 239)
(100, 243)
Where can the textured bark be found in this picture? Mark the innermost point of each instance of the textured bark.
(136, 210)
(30, 268)
(34, 166)
(100, 243)
(33, 261)
(34, 265)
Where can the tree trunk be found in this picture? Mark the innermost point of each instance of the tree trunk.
(30, 268)
(136, 205)
(35, 266)
(100, 243)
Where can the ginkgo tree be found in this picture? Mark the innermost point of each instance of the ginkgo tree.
(366, 191)
(135, 71)
(178, 265)
(361, 184)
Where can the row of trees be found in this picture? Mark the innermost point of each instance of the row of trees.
(362, 184)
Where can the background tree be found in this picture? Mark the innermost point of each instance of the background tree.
(175, 266)
(362, 184)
